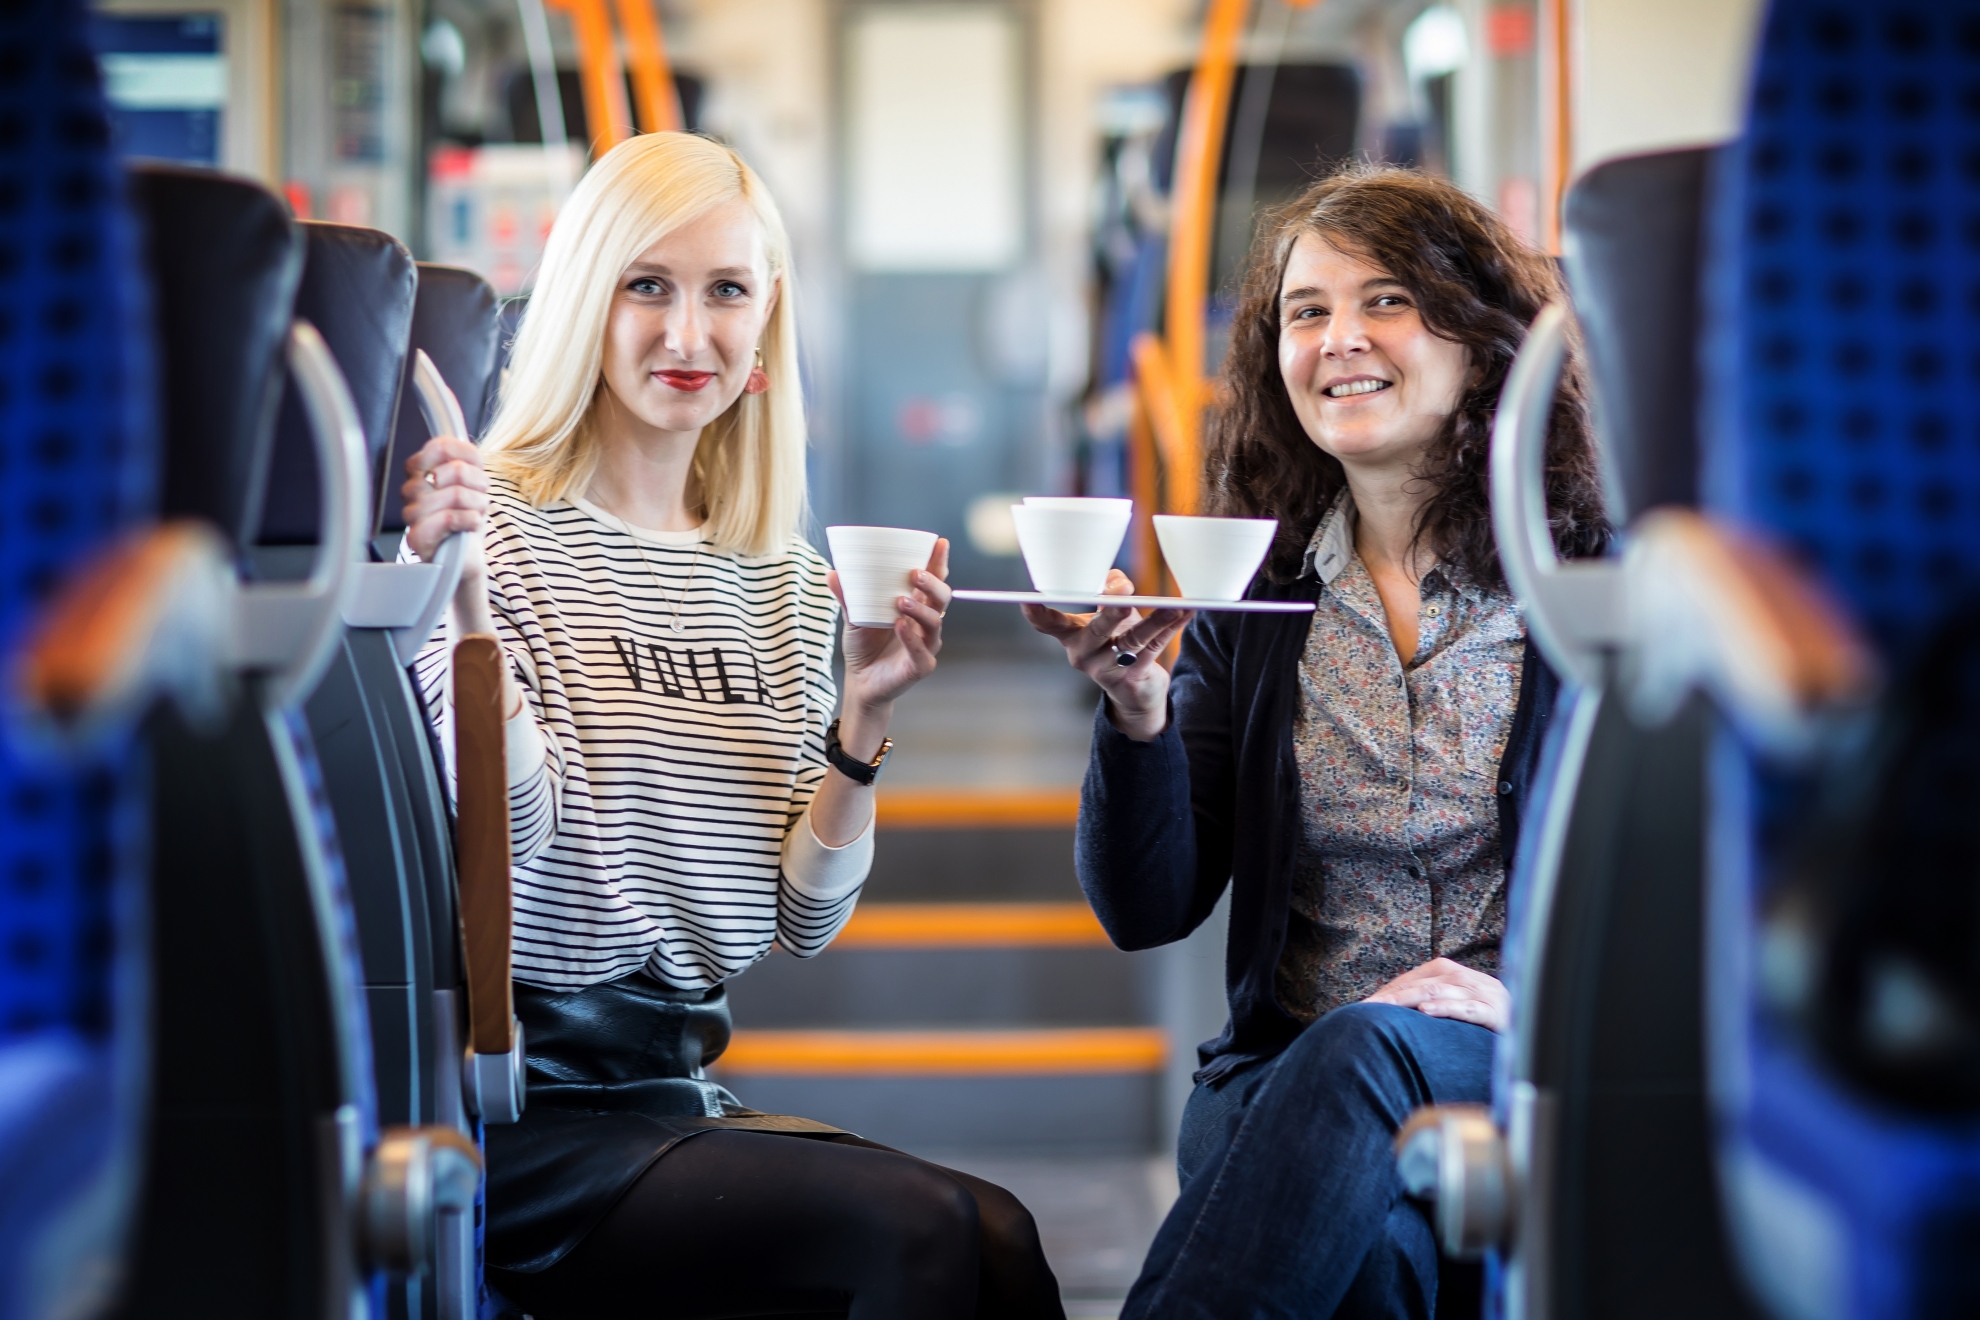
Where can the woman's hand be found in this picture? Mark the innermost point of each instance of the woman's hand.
(883, 663)
(1138, 693)
(446, 491)
(1447, 989)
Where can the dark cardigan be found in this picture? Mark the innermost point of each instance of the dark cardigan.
(1164, 825)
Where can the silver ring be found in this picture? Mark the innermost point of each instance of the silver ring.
(1124, 658)
(433, 480)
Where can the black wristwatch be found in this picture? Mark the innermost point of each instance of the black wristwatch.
(860, 772)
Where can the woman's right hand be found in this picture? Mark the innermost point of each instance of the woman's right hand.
(1138, 693)
(446, 491)
(1447, 989)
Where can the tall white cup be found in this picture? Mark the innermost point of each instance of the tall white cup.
(1069, 543)
(873, 564)
(1213, 558)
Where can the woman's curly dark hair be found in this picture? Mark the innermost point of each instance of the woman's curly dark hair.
(1475, 283)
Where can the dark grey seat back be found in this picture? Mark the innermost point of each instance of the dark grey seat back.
(357, 290)
(1622, 1216)
(381, 766)
(1632, 239)
(224, 261)
(457, 322)
(256, 1105)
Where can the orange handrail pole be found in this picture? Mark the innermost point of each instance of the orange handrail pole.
(658, 99)
(1160, 390)
(1193, 220)
(1145, 487)
(1557, 119)
(606, 114)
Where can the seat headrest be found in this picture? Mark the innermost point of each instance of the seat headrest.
(357, 290)
(512, 315)
(1632, 237)
(1846, 247)
(457, 321)
(224, 260)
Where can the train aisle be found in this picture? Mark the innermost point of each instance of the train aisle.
(973, 1012)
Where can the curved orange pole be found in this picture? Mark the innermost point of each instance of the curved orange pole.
(606, 115)
(1557, 83)
(658, 100)
(1192, 227)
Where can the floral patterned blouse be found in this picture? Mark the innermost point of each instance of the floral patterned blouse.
(1399, 860)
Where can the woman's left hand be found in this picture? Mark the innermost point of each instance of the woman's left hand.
(883, 663)
(1447, 989)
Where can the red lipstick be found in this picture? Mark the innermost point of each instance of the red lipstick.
(688, 381)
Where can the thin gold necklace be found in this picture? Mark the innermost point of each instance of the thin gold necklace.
(674, 624)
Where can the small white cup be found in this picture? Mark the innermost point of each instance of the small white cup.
(1069, 543)
(1213, 558)
(1078, 502)
(873, 564)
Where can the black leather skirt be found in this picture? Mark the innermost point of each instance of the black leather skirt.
(615, 1081)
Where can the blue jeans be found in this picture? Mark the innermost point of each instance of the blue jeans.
(1290, 1202)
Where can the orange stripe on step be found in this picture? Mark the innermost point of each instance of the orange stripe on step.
(970, 926)
(959, 808)
(1041, 1052)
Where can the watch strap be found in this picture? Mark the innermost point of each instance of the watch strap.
(860, 772)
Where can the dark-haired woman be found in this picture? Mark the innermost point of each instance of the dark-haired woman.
(1357, 777)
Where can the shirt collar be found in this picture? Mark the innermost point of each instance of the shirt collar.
(1460, 582)
(1332, 548)
(1332, 545)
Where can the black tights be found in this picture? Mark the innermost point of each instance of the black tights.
(733, 1223)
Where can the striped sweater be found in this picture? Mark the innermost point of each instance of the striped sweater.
(659, 777)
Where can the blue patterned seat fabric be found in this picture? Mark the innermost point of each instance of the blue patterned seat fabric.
(1845, 420)
(75, 467)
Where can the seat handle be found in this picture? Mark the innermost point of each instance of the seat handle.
(147, 614)
(1573, 610)
(292, 630)
(442, 412)
(482, 851)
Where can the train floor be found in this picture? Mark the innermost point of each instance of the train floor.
(973, 1012)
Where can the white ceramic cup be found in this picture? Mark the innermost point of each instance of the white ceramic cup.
(1070, 543)
(1213, 558)
(1078, 502)
(873, 564)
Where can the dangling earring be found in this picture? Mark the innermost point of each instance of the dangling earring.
(758, 381)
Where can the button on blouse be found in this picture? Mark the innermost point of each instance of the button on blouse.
(1399, 858)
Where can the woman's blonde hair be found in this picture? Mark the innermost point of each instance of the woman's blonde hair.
(750, 460)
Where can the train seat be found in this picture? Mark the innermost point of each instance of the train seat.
(79, 473)
(261, 1094)
(376, 749)
(455, 326)
(1608, 1065)
(1602, 1201)
(1846, 248)
(357, 288)
(456, 323)
(264, 1128)
(1832, 935)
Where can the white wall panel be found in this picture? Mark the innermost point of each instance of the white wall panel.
(1655, 74)
(934, 139)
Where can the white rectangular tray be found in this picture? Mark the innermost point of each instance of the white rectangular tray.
(1144, 602)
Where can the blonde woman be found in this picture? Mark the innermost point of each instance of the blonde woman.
(681, 795)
